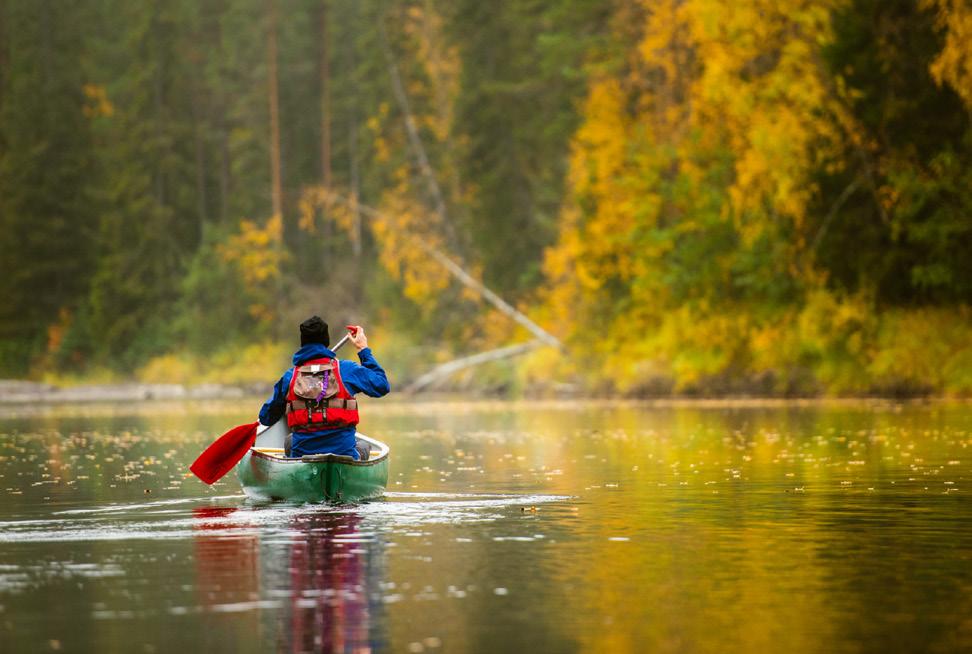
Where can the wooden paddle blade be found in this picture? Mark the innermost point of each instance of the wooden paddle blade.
(224, 453)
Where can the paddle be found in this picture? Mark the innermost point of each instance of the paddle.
(227, 450)
(220, 457)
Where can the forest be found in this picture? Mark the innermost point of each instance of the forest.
(691, 197)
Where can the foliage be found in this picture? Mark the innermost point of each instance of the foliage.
(953, 65)
(522, 69)
(256, 256)
(48, 208)
(261, 362)
(696, 196)
(746, 200)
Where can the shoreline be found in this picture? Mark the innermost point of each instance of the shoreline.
(16, 393)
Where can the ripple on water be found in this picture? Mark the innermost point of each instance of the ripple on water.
(159, 521)
(18, 578)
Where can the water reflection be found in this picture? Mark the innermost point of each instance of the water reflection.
(227, 563)
(318, 576)
(335, 569)
(551, 529)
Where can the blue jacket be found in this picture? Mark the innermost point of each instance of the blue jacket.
(367, 378)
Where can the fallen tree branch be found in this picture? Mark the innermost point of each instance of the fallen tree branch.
(444, 370)
(460, 274)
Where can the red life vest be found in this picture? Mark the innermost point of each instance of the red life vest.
(317, 398)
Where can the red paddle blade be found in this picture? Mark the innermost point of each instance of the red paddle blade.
(224, 453)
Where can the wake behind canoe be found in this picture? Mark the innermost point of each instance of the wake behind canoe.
(267, 474)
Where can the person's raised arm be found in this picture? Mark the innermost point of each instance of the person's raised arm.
(368, 377)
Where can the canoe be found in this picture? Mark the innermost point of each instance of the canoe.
(266, 474)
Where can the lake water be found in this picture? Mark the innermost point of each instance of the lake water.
(507, 528)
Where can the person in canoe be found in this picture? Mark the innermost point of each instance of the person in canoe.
(317, 394)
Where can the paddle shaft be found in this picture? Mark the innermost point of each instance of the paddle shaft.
(343, 340)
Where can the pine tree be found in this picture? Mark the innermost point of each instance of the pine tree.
(523, 66)
(151, 223)
(47, 211)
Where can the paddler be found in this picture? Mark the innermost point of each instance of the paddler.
(317, 394)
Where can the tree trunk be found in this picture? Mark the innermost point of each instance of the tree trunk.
(355, 183)
(353, 160)
(325, 100)
(276, 191)
(198, 112)
(158, 100)
(3, 49)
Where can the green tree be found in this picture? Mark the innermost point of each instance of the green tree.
(151, 223)
(523, 68)
(47, 171)
(902, 202)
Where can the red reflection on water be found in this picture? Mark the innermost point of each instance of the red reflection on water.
(330, 609)
(227, 565)
(209, 512)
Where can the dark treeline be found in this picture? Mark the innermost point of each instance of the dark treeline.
(731, 197)
(135, 138)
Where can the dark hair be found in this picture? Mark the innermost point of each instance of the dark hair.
(314, 330)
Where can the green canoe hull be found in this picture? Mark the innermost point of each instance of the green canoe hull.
(267, 475)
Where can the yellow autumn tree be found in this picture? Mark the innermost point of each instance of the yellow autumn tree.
(256, 254)
(953, 66)
(691, 179)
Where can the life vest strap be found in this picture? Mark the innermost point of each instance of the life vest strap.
(310, 405)
(315, 368)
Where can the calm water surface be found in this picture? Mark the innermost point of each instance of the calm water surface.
(507, 528)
